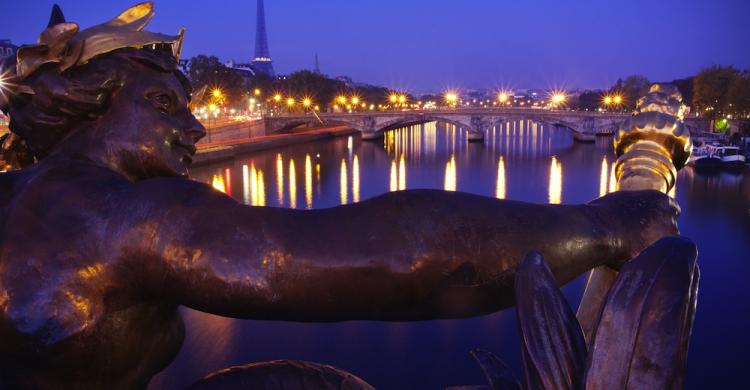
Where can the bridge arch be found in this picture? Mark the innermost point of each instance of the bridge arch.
(410, 120)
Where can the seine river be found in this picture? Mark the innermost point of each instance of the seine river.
(520, 161)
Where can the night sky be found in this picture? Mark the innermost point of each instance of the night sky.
(424, 45)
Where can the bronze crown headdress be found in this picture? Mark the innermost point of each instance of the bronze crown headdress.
(63, 44)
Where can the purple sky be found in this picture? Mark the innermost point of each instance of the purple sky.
(437, 44)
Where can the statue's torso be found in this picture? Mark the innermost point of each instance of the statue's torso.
(70, 309)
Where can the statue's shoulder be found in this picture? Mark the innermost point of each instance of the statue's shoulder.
(48, 190)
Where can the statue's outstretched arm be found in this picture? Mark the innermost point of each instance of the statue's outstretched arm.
(408, 255)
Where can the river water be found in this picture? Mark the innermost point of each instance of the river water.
(520, 160)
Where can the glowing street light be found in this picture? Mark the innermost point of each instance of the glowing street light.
(502, 97)
(256, 92)
(393, 98)
(342, 99)
(558, 98)
(277, 98)
(451, 98)
(355, 100)
(216, 93)
(290, 102)
(617, 99)
(306, 102)
(402, 99)
(3, 84)
(607, 100)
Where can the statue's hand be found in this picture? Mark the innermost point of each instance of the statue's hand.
(638, 219)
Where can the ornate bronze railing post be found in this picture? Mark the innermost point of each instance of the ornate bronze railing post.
(651, 146)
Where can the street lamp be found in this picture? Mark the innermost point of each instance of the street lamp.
(502, 97)
(2, 82)
(277, 98)
(617, 99)
(402, 99)
(558, 98)
(342, 99)
(256, 92)
(451, 98)
(355, 100)
(306, 102)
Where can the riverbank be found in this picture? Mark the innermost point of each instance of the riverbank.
(210, 152)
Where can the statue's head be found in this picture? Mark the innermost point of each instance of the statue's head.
(112, 93)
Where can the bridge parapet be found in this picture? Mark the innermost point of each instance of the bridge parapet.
(584, 125)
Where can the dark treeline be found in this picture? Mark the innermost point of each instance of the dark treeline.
(320, 89)
(715, 92)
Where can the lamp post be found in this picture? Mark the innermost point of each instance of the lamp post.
(341, 101)
(276, 101)
(617, 101)
(557, 99)
(393, 99)
(651, 147)
(451, 98)
(503, 97)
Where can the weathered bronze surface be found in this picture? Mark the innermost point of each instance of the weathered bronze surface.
(103, 235)
(281, 375)
(641, 336)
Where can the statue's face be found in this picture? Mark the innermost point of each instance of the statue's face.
(150, 129)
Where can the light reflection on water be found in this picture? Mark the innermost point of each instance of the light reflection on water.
(411, 150)
(343, 183)
(519, 160)
(292, 185)
(450, 175)
(500, 191)
(555, 181)
(308, 182)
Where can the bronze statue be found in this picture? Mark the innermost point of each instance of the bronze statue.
(104, 236)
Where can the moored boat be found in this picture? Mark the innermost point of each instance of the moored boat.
(707, 161)
(698, 153)
(731, 158)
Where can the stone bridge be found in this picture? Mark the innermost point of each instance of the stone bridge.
(584, 125)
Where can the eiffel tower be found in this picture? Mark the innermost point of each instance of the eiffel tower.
(262, 62)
